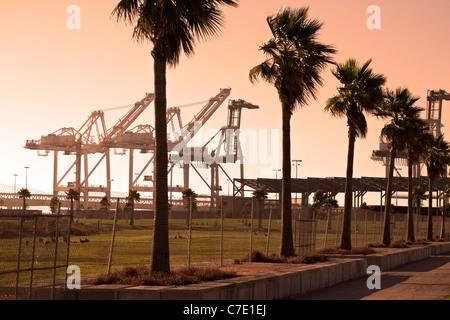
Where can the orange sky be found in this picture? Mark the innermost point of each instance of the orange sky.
(52, 77)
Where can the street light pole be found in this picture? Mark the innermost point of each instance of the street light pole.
(296, 163)
(276, 178)
(26, 177)
(15, 176)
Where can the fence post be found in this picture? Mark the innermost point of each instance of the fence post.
(190, 230)
(32, 257)
(19, 250)
(56, 251)
(69, 227)
(251, 232)
(337, 228)
(112, 237)
(268, 230)
(221, 231)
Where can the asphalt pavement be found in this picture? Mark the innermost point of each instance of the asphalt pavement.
(427, 279)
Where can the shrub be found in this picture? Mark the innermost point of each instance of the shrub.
(141, 276)
(398, 244)
(421, 241)
(258, 256)
(357, 250)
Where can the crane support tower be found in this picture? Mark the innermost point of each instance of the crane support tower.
(434, 109)
(435, 100)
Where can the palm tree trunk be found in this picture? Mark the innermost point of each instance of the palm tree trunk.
(160, 251)
(430, 210)
(287, 241)
(387, 208)
(71, 209)
(132, 213)
(261, 206)
(442, 233)
(410, 236)
(346, 239)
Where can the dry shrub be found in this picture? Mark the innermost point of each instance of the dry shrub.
(141, 276)
(258, 256)
(357, 250)
(399, 244)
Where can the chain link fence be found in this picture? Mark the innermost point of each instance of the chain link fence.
(31, 252)
(34, 250)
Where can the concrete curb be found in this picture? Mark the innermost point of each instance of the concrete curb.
(271, 286)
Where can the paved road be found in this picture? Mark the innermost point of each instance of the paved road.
(427, 279)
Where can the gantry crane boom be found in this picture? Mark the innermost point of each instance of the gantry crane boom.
(207, 111)
(124, 123)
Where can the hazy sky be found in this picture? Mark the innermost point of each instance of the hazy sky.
(53, 77)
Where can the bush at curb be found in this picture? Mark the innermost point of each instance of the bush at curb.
(258, 256)
(141, 276)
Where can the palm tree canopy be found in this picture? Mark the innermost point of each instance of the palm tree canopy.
(294, 57)
(446, 192)
(105, 202)
(24, 193)
(172, 25)
(437, 157)
(360, 92)
(403, 117)
(133, 195)
(189, 194)
(419, 194)
(260, 193)
(72, 194)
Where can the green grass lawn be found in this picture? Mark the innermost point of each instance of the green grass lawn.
(133, 245)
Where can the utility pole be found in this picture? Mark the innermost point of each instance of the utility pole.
(15, 176)
(26, 177)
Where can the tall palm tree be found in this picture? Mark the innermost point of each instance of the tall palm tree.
(172, 27)
(261, 195)
(72, 195)
(437, 157)
(360, 93)
(415, 142)
(446, 195)
(24, 193)
(133, 196)
(190, 199)
(418, 194)
(294, 62)
(399, 108)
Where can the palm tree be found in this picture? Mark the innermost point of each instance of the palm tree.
(417, 129)
(360, 93)
(418, 194)
(399, 108)
(54, 205)
(319, 198)
(437, 157)
(24, 193)
(133, 196)
(72, 195)
(261, 195)
(445, 209)
(171, 26)
(190, 199)
(294, 61)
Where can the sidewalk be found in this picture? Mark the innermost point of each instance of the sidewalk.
(427, 279)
